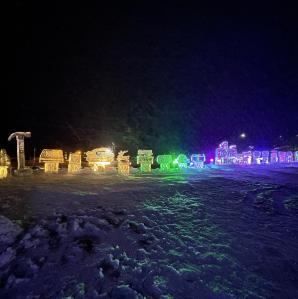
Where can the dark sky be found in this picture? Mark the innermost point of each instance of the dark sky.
(166, 77)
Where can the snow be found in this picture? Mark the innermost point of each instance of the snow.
(212, 233)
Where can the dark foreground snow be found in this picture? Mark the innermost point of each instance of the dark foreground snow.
(216, 233)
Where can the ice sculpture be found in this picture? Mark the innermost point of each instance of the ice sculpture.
(265, 157)
(256, 157)
(4, 163)
(282, 157)
(198, 160)
(240, 159)
(99, 158)
(123, 163)
(20, 136)
(165, 162)
(145, 159)
(3, 172)
(74, 162)
(247, 158)
(181, 161)
(4, 158)
(289, 157)
(221, 153)
(52, 158)
(232, 154)
(226, 154)
(274, 156)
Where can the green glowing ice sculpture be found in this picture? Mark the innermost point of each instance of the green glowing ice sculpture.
(165, 162)
(296, 156)
(181, 161)
(145, 159)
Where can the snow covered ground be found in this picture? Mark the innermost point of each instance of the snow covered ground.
(213, 233)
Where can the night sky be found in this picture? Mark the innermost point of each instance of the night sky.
(166, 77)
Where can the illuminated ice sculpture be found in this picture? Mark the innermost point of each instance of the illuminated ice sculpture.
(99, 158)
(247, 158)
(145, 159)
(265, 157)
(240, 158)
(123, 163)
(232, 154)
(20, 136)
(289, 157)
(221, 153)
(273, 156)
(51, 159)
(4, 163)
(198, 160)
(74, 162)
(3, 172)
(256, 157)
(282, 157)
(165, 162)
(226, 154)
(182, 161)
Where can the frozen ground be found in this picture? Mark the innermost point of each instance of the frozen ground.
(216, 233)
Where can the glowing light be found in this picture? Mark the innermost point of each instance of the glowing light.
(242, 135)
(296, 156)
(75, 161)
(211, 160)
(123, 163)
(165, 162)
(52, 158)
(145, 159)
(99, 158)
